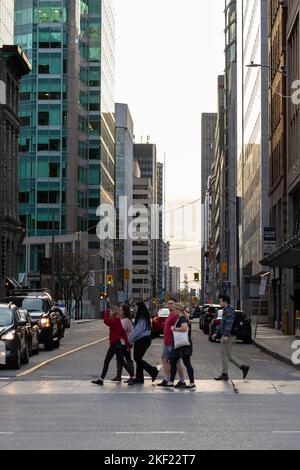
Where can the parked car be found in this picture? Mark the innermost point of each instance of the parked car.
(43, 313)
(14, 343)
(65, 315)
(245, 330)
(197, 311)
(208, 316)
(158, 322)
(201, 316)
(32, 333)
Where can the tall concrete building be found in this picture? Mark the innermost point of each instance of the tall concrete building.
(208, 129)
(253, 160)
(161, 287)
(123, 200)
(216, 242)
(67, 116)
(13, 65)
(230, 201)
(174, 279)
(285, 260)
(146, 156)
(6, 22)
(142, 256)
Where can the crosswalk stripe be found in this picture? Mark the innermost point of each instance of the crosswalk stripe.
(84, 387)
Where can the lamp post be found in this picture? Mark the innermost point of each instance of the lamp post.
(270, 67)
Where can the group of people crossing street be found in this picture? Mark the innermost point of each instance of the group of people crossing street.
(126, 334)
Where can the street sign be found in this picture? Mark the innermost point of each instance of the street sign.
(263, 286)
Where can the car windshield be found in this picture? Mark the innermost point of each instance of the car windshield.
(164, 313)
(6, 318)
(29, 304)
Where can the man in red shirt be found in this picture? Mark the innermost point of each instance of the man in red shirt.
(168, 349)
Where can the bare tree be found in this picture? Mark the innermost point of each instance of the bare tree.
(74, 277)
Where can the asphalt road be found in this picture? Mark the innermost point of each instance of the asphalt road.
(55, 406)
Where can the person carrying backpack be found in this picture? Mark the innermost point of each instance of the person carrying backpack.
(228, 332)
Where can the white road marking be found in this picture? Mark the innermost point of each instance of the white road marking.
(56, 358)
(286, 432)
(150, 432)
(6, 433)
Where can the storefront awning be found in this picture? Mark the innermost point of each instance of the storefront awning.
(287, 256)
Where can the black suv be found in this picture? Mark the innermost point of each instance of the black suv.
(14, 341)
(43, 312)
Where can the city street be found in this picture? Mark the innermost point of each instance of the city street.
(51, 403)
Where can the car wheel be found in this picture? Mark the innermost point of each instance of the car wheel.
(16, 363)
(50, 345)
(57, 343)
(30, 348)
(25, 358)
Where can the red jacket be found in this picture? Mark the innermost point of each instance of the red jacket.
(116, 330)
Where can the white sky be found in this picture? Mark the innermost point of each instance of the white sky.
(168, 56)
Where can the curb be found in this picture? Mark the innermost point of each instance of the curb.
(275, 355)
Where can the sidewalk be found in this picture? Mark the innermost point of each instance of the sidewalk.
(275, 343)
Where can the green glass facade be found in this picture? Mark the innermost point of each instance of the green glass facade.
(66, 112)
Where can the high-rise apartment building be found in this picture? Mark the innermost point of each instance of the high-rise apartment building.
(6, 22)
(142, 256)
(146, 156)
(208, 129)
(253, 160)
(230, 201)
(67, 116)
(284, 261)
(123, 200)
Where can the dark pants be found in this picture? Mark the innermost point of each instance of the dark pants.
(187, 362)
(140, 348)
(115, 349)
(127, 355)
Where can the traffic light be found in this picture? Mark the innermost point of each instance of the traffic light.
(126, 274)
(196, 277)
(109, 280)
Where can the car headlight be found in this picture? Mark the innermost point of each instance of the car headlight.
(45, 322)
(9, 336)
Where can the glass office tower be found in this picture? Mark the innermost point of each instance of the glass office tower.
(67, 115)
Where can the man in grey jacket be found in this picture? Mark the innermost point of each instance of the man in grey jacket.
(228, 339)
